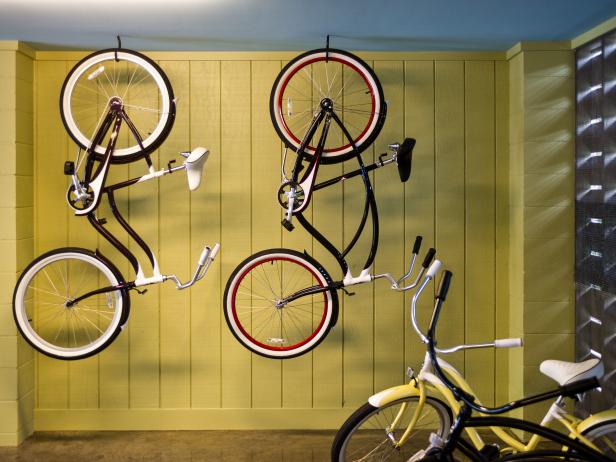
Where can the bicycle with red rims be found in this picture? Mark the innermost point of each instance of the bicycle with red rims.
(327, 106)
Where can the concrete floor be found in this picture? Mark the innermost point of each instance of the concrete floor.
(173, 446)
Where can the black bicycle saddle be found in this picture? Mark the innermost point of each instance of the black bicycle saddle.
(404, 158)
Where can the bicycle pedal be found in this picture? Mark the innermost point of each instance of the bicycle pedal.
(288, 225)
(350, 294)
(69, 168)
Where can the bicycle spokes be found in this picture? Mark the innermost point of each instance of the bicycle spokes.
(51, 315)
(258, 304)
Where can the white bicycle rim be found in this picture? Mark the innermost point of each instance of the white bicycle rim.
(22, 317)
(273, 352)
(110, 56)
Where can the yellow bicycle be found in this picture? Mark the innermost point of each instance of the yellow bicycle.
(399, 423)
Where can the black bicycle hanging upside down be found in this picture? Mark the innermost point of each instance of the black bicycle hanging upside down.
(327, 105)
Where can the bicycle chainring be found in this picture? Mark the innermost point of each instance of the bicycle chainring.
(79, 203)
(283, 195)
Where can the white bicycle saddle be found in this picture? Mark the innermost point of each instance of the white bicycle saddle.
(194, 166)
(565, 372)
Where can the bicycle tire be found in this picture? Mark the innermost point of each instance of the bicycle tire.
(598, 432)
(353, 108)
(41, 293)
(284, 332)
(143, 87)
(361, 448)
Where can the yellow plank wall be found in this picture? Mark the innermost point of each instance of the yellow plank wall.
(16, 239)
(177, 365)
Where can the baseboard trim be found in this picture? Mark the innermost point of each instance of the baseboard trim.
(189, 419)
(9, 439)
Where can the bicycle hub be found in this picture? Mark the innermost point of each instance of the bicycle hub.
(327, 104)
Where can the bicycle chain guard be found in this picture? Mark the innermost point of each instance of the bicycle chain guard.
(79, 201)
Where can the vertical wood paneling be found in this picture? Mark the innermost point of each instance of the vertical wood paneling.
(174, 234)
(144, 321)
(51, 224)
(114, 360)
(389, 325)
(235, 215)
(84, 372)
(450, 194)
(419, 190)
(480, 219)
(206, 296)
(358, 322)
(297, 372)
(265, 212)
(327, 209)
(177, 351)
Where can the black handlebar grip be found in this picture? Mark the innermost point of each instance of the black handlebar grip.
(417, 244)
(429, 257)
(444, 285)
(578, 387)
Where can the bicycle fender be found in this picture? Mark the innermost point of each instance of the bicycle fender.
(394, 393)
(97, 253)
(595, 419)
(328, 278)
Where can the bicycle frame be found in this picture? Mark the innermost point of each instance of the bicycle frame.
(96, 182)
(307, 184)
(439, 379)
(427, 384)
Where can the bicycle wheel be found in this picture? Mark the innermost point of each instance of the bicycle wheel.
(369, 433)
(259, 283)
(341, 77)
(603, 435)
(139, 83)
(69, 332)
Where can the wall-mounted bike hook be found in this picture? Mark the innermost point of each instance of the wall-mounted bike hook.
(327, 48)
(119, 48)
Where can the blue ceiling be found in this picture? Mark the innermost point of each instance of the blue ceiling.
(297, 24)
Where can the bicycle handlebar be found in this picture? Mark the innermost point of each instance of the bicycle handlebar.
(396, 284)
(429, 257)
(460, 394)
(417, 244)
(443, 287)
(508, 343)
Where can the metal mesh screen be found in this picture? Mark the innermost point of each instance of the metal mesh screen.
(595, 215)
